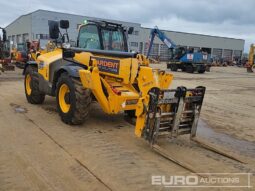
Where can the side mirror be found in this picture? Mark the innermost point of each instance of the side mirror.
(68, 53)
(130, 30)
(4, 35)
(64, 24)
(53, 29)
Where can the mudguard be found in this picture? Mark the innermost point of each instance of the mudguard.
(29, 63)
(71, 69)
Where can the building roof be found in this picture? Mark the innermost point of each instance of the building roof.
(20, 17)
(42, 10)
(197, 34)
(120, 21)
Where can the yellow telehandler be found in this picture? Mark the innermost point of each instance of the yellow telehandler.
(251, 64)
(101, 68)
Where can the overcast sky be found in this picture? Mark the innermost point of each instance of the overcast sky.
(229, 18)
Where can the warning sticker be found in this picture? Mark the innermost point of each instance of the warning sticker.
(190, 56)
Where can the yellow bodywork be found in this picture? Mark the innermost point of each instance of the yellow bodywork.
(119, 85)
(146, 79)
(28, 87)
(251, 56)
(45, 60)
(65, 107)
(50, 46)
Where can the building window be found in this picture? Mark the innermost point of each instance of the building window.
(42, 36)
(134, 44)
(136, 33)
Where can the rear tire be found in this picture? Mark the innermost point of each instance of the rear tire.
(74, 107)
(201, 71)
(189, 69)
(31, 83)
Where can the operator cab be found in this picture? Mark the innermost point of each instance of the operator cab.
(177, 52)
(103, 35)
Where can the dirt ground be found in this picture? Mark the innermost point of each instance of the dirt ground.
(39, 152)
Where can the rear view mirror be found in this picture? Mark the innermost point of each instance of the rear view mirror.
(4, 35)
(130, 30)
(53, 29)
(64, 24)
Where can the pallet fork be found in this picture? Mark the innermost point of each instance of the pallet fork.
(172, 113)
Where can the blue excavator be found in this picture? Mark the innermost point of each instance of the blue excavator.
(180, 57)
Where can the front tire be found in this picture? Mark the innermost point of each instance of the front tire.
(31, 83)
(174, 67)
(130, 113)
(73, 100)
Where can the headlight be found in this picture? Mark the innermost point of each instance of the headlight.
(41, 65)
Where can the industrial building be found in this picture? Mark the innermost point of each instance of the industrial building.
(34, 26)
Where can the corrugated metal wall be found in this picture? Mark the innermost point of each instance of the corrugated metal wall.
(217, 52)
(237, 53)
(29, 26)
(164, 53)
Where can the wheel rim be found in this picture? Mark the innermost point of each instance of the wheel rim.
(28, 87)
(63, 92)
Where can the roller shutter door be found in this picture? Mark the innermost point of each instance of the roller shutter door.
(237, 53)
(141, 47)
(164, 53)
(227, 53)
(146, 48)
(25, 37)
(154, 50)
(19, 39)
(217, 52)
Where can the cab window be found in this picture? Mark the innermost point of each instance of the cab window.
(113, 40)
(88, 37)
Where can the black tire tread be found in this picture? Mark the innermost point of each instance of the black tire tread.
(80, 110)
(201, 71)
(36, 97)
(189, 69)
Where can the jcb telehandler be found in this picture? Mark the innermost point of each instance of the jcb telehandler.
(101, 68)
